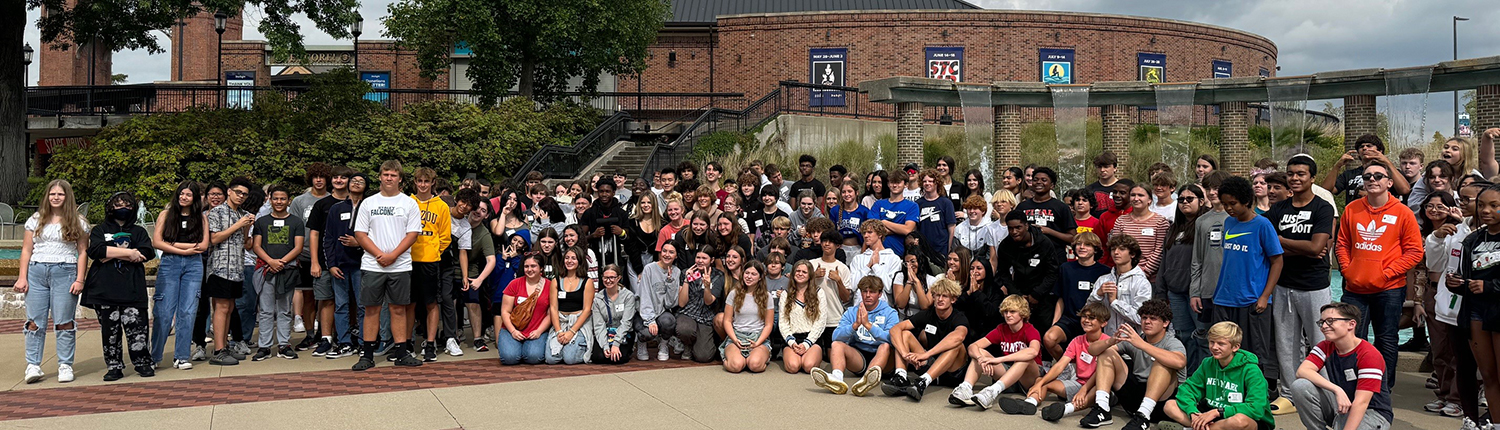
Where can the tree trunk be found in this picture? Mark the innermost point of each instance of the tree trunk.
(12, 100)
(528, 68)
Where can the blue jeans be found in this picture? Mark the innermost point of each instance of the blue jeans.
(1384, 310)
(344, 290)
(1185, 323)
(178, 282)
(513, 351)
(248, 305)
(48, 292)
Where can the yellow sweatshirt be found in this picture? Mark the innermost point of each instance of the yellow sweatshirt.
(437, 230)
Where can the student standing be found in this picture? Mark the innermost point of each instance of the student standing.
(277, 242)
(1304, 223)
(317, 177)
(1147, 228)
(386, 226)
(1051, 215)
(1379, 241)
(182, 238)
(52, 275)
(228, 225)
(1252, 268)
(341, 256)
(116, 287)
(427, 273)
(935, 219)
(896, 214)
(317, 266)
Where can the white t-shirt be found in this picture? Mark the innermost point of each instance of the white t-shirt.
(463, 235)
(387, 220)
(48, 246)
(1169, 211)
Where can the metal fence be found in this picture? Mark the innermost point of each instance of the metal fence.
(567, 161)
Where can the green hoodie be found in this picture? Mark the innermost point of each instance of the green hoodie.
(1239, 388)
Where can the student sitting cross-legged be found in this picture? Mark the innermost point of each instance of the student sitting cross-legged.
(1155, 360)
(1227, 392)
(862, 341)
(931, 342)
(1091, 383)
(1340, 385)
(1011, 354)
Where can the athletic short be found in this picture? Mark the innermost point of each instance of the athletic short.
(384, 288)
(323, 286)
(1071, 328)
(305, 280)
(1129, 396)
(426, 283)
(219, 288)
(1070, 388)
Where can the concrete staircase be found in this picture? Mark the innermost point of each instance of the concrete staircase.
(624, 157)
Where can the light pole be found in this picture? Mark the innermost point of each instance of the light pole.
(1456, 19)
(26, 53)
(355, 29)
(219, 20)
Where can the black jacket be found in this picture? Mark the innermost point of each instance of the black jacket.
(117, 282)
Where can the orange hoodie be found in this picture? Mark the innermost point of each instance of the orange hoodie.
(1377, 246)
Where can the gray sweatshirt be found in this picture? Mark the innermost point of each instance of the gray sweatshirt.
(658, 290)
(617, 313)
(1208, 254)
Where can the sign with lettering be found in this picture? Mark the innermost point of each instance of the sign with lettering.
(1153, 67)
(1057, 66)
(826, 66)
(945, 63)
(1222, 69)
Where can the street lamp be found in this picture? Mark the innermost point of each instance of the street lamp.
(1456, 19)
(26, 53)
(356, 29)
(219, 20)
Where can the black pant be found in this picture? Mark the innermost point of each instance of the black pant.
(124, 327)
(200, 323)
(627, 348)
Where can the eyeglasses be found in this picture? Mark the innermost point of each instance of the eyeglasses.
(1328, 322)
(1436, 207)
(611, 278)
(1373, 176)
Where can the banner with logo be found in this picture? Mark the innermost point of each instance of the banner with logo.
(242, 99)
(1153, 67)
(826, 66)
(1057, 66)
(1223, 69)
(945, 63)
(378, 81)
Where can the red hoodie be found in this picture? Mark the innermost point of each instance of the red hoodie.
(1377, 246)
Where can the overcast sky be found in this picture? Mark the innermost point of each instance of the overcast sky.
(1311, 36)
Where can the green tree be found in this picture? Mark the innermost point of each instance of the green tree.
(533, 45)
(128, 24)
(118, 78)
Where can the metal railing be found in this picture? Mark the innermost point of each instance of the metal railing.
(555, 161)
(146, 99)
(712, 120)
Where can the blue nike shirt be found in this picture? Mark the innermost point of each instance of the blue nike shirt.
(1248, 248)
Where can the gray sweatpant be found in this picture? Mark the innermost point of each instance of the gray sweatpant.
(1296, 329)
(1319, 409)
(275, 308)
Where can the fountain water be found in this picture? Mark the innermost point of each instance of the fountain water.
(1174, 119)
(1406, 113)
(1070, 114)
(1287, 100)
(979, 130)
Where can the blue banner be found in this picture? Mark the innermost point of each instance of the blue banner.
(945, 63)
(1153, 67)
(1057, 66)
(826, 66)
(243, 99)
(1223, 69)
(378, 81)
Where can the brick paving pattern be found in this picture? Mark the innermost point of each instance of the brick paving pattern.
(140, 396)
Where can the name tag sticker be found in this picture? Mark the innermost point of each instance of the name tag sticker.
(1388, 219)
(1214, 235)
(1085, 285)
(1236, 397)
(759, 223)
(619, 307)
(278, 223)
(520, 300)
(562, 294)
(184, 224)
(931, 329)
(1349, 374)
(854, 220)
(1034, 262)
(1085, 357)
(344, 216)
(1148, 231)
(879, 320)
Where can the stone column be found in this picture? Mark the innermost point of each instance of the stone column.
(1486, 109)
(1359, 118)
(909, 134)
(1007, 146)
(1117, 125)
(1234, 145)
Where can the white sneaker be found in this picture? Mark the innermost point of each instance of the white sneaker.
(453, 348)
(298, 327)
(33, 373)
(663, 351)
(182, 365)
(641, 354)
(963, 395)
(64, 373)
(986, 398)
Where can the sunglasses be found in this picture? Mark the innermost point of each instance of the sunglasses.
(1374, 176)
(1187, 199)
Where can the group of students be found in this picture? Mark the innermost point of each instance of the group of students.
(1193, 305)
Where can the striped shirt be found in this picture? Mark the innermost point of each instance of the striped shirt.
(1362, 369)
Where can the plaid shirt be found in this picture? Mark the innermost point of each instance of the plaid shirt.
(226, 258)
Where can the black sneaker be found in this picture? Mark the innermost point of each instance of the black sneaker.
(365, 363)
(408, 360)
(1097, 417)
(307, 343)
(341, 351)
(1013, 406)
(145, 371)
(894, 386)
(113, 375)
(262, 354)
(916, 389)
(324, 346)
(287, 352)
(479, 346)
(1054, 412)
(1138, 422)
(429, 352)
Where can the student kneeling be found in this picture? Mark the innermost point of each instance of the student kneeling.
(1358, 372)
(749, 315)
(862, 341)
(1228, 392)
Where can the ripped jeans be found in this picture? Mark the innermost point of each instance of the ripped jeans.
(48, 294)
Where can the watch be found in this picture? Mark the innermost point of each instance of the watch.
(1221, 412)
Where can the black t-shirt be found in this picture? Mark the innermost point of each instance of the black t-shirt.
(1053, 214)
(760, 221)
(1103, 200)
(819, 191)
(1300, 272)
(930, 329)
(317, 220)
(1350, 183)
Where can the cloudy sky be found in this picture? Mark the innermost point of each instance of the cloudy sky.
(1311, 36)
